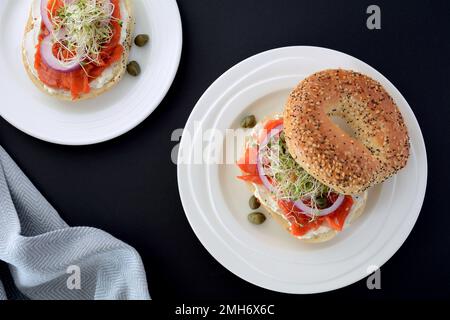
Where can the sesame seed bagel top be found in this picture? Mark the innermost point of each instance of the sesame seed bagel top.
(348, 164)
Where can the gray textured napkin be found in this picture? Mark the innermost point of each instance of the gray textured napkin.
(47, 259)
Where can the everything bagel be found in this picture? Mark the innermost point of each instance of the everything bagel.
(348, 164)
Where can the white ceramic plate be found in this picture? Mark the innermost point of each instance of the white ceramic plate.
(216, 203)
(106, 116)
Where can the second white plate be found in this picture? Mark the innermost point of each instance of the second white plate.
(102, 118)
(215, 202)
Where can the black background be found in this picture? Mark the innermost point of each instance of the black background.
(128, 186)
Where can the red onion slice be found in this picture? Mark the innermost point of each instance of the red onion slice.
(44, 14)
(53, 62)
(259, 165)
(319, 212)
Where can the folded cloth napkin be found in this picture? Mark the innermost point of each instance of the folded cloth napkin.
(47, 259)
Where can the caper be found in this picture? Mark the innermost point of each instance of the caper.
(254, 203)
(256, 218)
(133, 68)
(248, 122)
(141, 40)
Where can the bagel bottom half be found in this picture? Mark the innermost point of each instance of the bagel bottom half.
(322, 237)
(118, 68)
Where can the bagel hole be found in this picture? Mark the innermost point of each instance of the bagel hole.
(343, 125)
